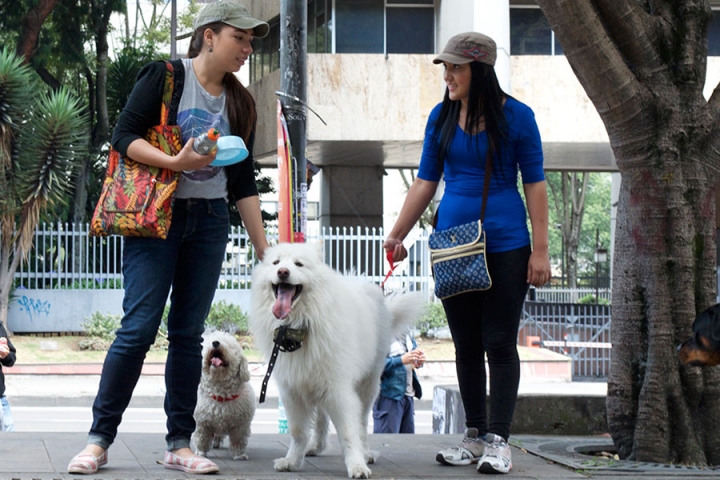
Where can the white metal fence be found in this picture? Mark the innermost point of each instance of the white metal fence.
(66, 257)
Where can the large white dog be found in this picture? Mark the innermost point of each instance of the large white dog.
(338, 329)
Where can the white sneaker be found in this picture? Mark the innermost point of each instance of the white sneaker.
(469, 451)
(497, 457)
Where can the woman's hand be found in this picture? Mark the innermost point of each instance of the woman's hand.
(188, 159)
(397, 248)
(538, 273)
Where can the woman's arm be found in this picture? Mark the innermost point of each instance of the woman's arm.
(537, 205)
(249, 208)
(417, 200)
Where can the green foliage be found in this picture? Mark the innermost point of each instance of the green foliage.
(227, 317)
(596, 216)
(590, 300)
(433, 319)
(51, 145)
(101, 326)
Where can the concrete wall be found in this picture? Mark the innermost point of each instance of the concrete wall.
(43, 311)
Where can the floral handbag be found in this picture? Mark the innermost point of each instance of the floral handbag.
(136, 199)
(457, 254)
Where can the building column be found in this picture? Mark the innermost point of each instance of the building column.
(352, 196)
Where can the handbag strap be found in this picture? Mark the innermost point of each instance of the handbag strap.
(486, 187)
(167, 93)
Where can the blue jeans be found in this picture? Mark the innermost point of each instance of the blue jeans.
(394, 416)
(189, 262)
(7, 424)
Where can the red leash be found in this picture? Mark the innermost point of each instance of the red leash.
(392, 267)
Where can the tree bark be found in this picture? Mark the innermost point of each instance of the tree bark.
(643, 64)
(31, 23)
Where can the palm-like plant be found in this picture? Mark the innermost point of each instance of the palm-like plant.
(43, 136)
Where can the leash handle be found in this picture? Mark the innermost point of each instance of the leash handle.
(393, 266)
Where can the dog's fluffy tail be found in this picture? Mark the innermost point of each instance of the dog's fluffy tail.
(406, 309)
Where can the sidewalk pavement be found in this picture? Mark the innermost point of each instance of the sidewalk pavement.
(44, 456)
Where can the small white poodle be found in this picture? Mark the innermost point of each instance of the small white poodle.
(226, 400)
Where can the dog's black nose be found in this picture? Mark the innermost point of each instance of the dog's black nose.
(283, 273)
(215, 344)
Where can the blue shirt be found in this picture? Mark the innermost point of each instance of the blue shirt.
(464, 170)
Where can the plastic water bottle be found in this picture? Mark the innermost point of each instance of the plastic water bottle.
(205, 143)
(282, 419)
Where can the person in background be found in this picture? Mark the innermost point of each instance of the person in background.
(394, 409)
(7, 359)
(187, 264)
(476, 118)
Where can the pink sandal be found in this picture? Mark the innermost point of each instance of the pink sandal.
(192, 464)
(87, 463)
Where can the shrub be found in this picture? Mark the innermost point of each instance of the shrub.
(99, 331)
(590, 299)
(227, 317)
(433, 319)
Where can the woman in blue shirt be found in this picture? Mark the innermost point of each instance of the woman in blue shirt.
(476, 115)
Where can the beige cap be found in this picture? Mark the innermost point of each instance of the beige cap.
(231, 13)
(469, 47)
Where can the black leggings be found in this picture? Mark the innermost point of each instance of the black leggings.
(488, 322)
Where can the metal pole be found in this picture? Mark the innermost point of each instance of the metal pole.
(173, 29)
(293, 83)
(597, 262)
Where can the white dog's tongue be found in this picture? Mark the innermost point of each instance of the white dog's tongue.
(216, 361)
(283, 302)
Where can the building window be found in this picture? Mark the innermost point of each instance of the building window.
(530, 33)
(410, 29)
(376, 26)
(360, 26)
(319, 37)
(363, 26)
(266, 52)
(714, 35)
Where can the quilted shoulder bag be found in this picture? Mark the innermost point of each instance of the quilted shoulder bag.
(136, 199)
(457, 254)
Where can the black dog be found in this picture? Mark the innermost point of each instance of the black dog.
(703, 348)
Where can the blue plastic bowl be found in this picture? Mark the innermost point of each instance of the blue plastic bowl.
(230, 149)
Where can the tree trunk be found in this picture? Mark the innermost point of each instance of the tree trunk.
(643, 66)
(31, 23)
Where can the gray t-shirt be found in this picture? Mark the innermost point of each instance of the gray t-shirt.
(197, 113)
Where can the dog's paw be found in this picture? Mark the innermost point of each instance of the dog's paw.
(200, 453)
(241, 456)
(370, 457)
(283, 465)
(359, 471)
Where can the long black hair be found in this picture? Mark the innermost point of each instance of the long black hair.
(484, 99)
(239, 103)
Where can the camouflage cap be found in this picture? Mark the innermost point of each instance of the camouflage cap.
(469, 47)
(231, 13)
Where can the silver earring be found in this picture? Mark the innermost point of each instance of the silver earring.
(210, 49)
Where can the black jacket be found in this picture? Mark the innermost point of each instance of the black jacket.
(142, 111)
(8, 361)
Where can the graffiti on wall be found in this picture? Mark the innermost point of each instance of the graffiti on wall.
(34, 307)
